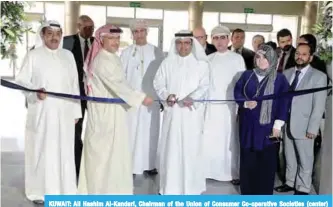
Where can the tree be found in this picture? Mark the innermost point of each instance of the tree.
(12, 26)
(323, 31)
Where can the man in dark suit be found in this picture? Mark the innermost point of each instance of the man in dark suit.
(201, 36)
(285, 50)
(79, 44)
(287, 61)
(237, 40)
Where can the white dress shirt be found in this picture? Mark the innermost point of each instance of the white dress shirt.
(82, 43)
(301, 75)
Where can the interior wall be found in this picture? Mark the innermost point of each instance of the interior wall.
(260, 7)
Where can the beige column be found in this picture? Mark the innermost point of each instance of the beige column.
(195, 12)
(72, 9)
(310, 16)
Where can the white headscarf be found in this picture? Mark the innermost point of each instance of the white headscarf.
(52, 24)
(197, 49)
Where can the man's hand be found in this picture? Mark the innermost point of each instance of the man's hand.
(188, 102)
(41, 96)
(76, 121)
(171, 100)
(147, 101)
(250, 104)
(310, 136)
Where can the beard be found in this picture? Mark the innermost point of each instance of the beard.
(302, 64)
(286, 48)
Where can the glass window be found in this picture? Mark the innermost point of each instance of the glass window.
(153, 36)
(125, 12)
(174, 21)
(259, 19)
(34, 7)
(96, 13)
(281, 22)
(55, 11)
(209, 21)
(232, 17)
(142, 13)
(125, 39)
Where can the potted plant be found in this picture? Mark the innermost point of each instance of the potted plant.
(13, 28)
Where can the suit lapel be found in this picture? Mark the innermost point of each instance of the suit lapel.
(289, 74)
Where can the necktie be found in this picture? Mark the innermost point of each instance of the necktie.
(295, 81)
(86, 49)
(237, 51)
(281, 63)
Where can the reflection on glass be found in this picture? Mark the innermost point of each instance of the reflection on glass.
(259, 19)
(143, 13)
(125, 39)
(55, 11)
(34, 7)
(153, 36)
(125, 12)
(96, 13)
(232, 17)
(209, 21)
(174, 21)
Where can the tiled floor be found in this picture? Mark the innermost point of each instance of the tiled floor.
(12, 121)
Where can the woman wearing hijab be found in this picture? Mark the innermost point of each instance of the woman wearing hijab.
(260, 122)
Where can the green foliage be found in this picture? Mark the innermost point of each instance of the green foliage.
(323, 30)
(12, 25)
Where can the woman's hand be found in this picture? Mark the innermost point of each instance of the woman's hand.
(171, 100)
(250, 104)
(276, 133)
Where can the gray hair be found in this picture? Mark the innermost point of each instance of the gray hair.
(258, 36)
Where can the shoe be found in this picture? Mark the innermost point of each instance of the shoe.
(151, 172)
(300, 193)
(284, 188)
(38, 202)
(235, 182)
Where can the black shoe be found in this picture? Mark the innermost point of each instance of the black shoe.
(300, 193)
(38, 202)
(235, 182)
(151, 172)
(284, 188)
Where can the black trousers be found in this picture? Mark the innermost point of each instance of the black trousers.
(78, 139)
(257, 171)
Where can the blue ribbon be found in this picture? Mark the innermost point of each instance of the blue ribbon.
(11, 85)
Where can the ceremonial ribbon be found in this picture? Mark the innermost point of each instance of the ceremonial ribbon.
(11, 85)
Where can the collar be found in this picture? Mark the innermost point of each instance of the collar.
(82, 39)
(303, 70)
(234, 50)
(49, 50)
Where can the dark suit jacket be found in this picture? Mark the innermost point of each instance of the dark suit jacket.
(291, 63)
(210, 49)
(72, 43)
(318, 64)
(248, 56)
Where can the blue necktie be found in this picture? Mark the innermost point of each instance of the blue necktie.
(295, 81)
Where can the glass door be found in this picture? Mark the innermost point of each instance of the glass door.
(154, 32)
